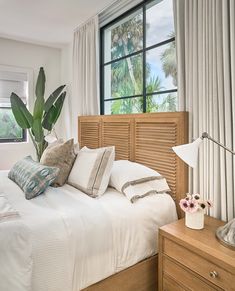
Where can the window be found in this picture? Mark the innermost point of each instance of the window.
(11, 81)
(138, 60)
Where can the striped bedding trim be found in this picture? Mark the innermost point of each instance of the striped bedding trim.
(141, 181)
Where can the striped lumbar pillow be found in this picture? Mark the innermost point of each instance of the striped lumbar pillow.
(32, 177)
(91, 170)
(136, 181)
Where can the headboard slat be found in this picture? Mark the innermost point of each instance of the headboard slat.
(117, 134)
(144, 138)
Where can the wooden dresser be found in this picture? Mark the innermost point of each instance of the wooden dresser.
(194, 259)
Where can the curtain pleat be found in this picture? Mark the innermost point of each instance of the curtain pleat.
(232, 60)
(205, 38)
(85, 99)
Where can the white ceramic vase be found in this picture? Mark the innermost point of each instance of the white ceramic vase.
(195, 220)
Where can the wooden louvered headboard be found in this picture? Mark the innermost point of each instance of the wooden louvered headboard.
(144, 138)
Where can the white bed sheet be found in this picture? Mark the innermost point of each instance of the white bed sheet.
(77, 240)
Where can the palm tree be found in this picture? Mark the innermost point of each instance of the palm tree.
(153, 85)
(168, 59)
(127, 74)
(169, 103)
(169, 66)
(125, 39)
(124, 80)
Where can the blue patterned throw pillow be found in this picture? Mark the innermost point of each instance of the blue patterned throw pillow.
(32, 177)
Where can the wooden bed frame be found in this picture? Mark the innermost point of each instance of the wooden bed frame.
(147, 139)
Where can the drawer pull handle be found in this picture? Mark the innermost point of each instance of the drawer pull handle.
(213, 274)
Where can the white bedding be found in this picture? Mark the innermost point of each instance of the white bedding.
(72, 241)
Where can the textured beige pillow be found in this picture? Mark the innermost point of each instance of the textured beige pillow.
(61, 141)
(61, 156)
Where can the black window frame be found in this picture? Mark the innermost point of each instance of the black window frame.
(144, 50)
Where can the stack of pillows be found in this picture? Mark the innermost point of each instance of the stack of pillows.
(89, 170)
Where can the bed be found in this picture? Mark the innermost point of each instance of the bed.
(65, 240)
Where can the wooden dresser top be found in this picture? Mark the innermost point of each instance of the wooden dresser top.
(202, 241)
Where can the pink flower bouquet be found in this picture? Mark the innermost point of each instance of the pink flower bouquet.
(193, 202)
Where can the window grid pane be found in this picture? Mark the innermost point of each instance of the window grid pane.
(9, 129)
(123, 78)
(159, 21)
(124, 37)
(161, 71)
(163, 102)
(124, 106)
(17, 82)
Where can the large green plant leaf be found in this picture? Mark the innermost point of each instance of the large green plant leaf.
(52, 98)
(40, 85)
(49, 118)
(58, 105)
(40, 90)
(23, 117)
(38, 108)
(53, 114)
(38, 130)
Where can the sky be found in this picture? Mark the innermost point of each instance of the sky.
(160, 20)
(161, 24)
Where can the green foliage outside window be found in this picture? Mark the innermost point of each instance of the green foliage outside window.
(9, 129)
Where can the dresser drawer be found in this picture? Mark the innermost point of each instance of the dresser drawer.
(170, 285)
(184, 278)
(198, 264)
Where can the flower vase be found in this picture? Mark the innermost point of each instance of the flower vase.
(195, 220)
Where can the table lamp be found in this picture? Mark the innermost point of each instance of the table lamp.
(51, 137)
(189, 154)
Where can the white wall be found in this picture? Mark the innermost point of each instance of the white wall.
(63, 126)
(20, 54)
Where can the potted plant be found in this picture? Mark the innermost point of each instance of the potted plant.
(194, 208)
(45, 113)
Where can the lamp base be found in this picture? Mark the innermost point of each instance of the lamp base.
(226, 234)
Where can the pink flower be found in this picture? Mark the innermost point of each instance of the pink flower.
(196, 196)
(192, 206)
(209, 203)
(193, 202)
(203, 205)
(188, 196)
(184, 204)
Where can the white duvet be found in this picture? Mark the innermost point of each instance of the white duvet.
(64, 240)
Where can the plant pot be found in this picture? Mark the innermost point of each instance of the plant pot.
(195, 220)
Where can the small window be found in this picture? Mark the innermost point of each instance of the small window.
(138, 60)
(11, 81)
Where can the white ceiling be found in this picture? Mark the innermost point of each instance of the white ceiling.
(46, 22)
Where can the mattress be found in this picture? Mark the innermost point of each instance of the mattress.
(70, 241)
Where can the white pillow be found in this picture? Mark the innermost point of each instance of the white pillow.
(136, 181)
(92, 169)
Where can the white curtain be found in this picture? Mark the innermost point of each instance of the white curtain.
(85, 71)
(205, 37)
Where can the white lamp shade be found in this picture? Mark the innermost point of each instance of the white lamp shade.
(189, 152)
(50, 138)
